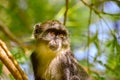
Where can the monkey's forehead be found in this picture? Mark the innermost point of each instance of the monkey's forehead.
(53, 24)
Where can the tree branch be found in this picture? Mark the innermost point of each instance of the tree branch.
(11, 63)
(65, 14)
(9, 34)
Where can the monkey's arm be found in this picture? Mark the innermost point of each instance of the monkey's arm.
(36, 64)
(71, 68)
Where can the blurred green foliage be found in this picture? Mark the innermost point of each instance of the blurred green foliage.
(20, 16)
(18, 54)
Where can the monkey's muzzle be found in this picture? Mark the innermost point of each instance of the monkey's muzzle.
(55, 45)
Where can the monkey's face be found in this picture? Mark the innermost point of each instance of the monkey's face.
(53, 33)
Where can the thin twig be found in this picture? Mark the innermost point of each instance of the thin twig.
(89, 22)
(91, 7)
(65, 14)
(11, 63)
(97, 11)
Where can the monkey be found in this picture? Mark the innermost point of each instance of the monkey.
(52, 58)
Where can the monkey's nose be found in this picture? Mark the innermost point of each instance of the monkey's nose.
(53, 45)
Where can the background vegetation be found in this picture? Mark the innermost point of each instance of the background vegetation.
(94, 27)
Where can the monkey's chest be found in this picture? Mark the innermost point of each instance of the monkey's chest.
(54, 70)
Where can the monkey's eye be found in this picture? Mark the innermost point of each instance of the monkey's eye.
(52, 33)
(37, 31)
(61, 36)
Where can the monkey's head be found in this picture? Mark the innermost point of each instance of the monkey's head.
(53, 34)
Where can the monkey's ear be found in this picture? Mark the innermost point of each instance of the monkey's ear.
(36, 26)
(36, 30)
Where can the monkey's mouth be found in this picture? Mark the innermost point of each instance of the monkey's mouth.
(54, 47)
